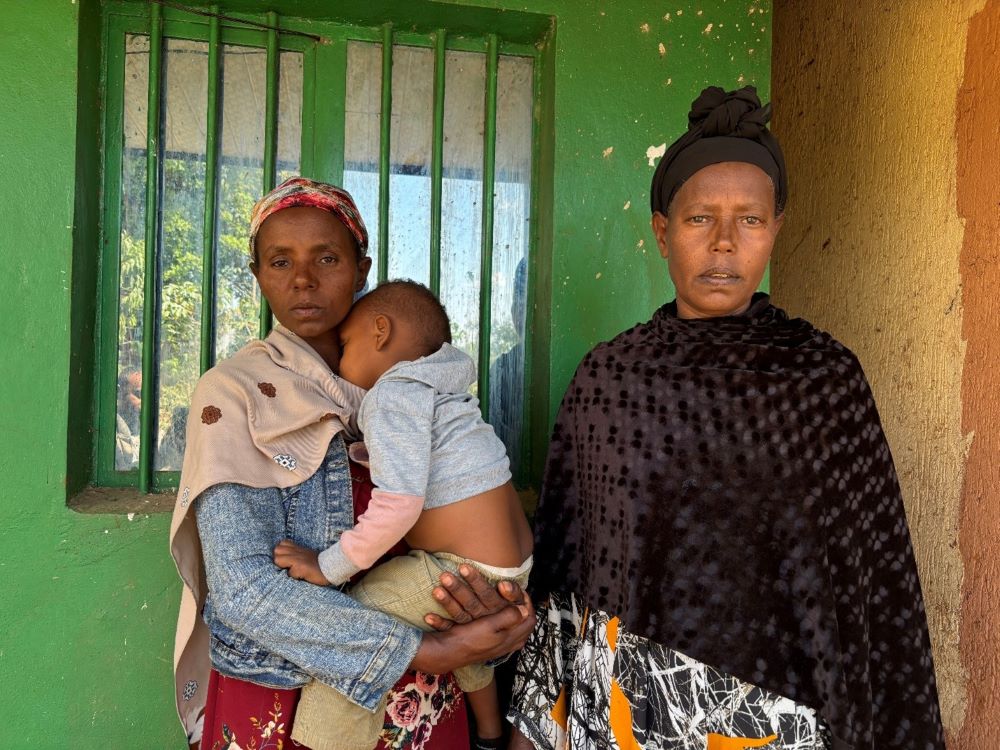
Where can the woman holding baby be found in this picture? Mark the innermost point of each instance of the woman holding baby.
(266, 460)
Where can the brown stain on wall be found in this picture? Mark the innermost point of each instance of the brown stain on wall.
(864, 97)
(978, 193)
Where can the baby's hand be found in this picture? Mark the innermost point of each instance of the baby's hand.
(300, 562)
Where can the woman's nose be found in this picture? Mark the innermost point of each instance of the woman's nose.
(724, 240)
(304, 277)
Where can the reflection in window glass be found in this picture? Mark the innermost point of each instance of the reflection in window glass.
(241, 178)
(182, 198)
(289, 115)
(410, 156)
(511, 237)
(133, 247)
(462, 195)
(362, 126)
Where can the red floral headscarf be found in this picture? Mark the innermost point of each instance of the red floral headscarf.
(301, 191)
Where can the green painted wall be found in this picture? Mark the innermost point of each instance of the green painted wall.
(87, 607)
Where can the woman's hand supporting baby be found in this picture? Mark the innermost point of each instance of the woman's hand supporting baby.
(485, 623)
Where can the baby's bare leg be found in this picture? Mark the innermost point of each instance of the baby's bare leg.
(486, 708)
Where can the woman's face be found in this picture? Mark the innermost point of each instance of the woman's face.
(717, 238)
(308, 269)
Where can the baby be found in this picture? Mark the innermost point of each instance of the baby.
(442, 482)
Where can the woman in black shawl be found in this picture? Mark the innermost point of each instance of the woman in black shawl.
(722, 552)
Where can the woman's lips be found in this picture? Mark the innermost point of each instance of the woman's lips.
(306, 312)
(720, 277)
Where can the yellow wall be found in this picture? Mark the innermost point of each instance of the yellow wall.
(865, 99)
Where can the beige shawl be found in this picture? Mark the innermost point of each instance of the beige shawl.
(263, 418)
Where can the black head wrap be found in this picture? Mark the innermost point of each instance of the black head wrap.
(722, 126)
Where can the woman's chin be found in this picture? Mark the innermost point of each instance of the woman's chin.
(310, 329)
(718, 303)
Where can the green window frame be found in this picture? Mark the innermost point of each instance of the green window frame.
(323, 45)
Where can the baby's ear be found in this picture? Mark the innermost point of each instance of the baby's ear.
(382, 329)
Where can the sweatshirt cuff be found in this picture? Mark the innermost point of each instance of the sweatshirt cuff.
(335, 565)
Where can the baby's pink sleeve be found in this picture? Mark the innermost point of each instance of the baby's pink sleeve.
(389, 516)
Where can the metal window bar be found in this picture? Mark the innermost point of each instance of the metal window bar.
(208, 283)
(383, 155)
(437, 155)
(486, 267)
(270, 137)
(151, 260)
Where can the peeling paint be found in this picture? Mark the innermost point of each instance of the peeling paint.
(627, 206)
(607, 152)
(663, 50)
(708, 29)
(644, 28)
(655, 152)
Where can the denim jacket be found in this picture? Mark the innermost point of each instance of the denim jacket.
(273, 630)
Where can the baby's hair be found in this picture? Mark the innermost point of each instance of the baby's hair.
(412, 301)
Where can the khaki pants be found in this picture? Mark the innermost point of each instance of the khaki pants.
(325, 719)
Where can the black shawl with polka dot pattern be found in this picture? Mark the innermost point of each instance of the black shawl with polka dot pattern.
(724, 487)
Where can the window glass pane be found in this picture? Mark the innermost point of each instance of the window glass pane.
(182, 200)
(462, 194)
(131, 253)
(241, 180)
(289, 115)
(363, 122)
(410, 155)
(511, 211)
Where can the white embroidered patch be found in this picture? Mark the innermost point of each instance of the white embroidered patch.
(185, 497)
(285, 461)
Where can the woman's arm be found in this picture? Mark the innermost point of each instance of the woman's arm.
(358, 651)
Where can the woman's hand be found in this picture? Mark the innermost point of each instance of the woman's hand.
(469, 599)
(478, 641)
(486, 623)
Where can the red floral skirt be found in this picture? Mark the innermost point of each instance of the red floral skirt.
(424, 712)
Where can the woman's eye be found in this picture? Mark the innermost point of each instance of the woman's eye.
(279, 263)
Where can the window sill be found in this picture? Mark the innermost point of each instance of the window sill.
(94, 500)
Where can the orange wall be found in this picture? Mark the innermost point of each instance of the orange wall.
(889, 115)
(978, 172)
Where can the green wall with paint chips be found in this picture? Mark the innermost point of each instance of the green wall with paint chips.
(88, 601)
